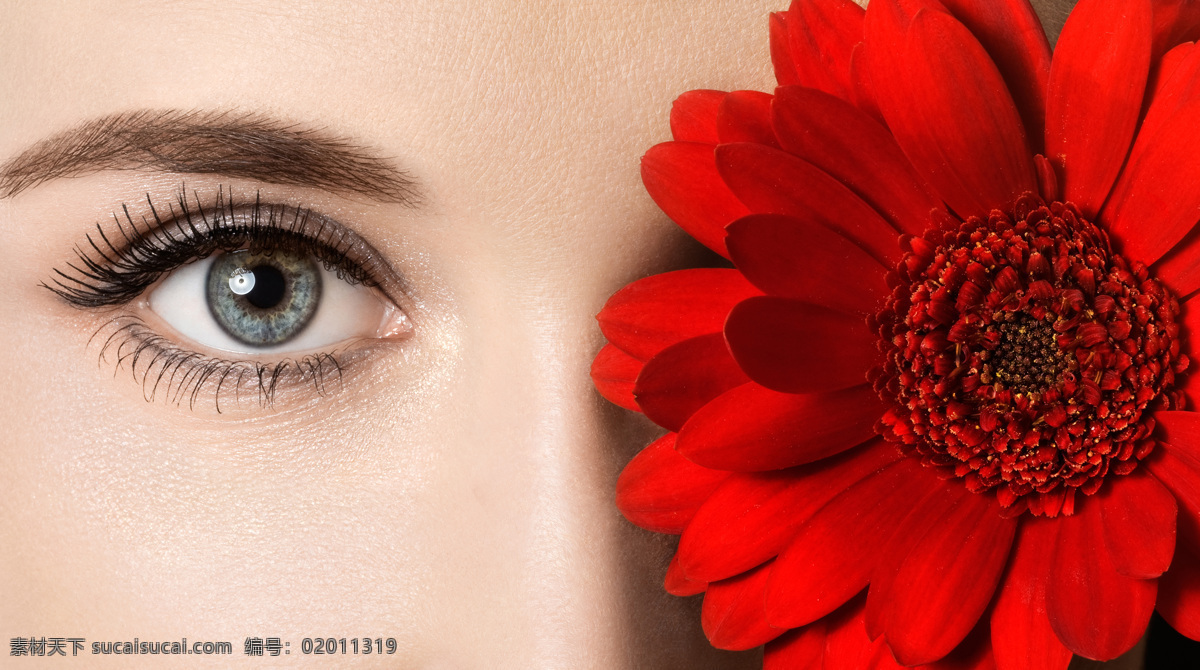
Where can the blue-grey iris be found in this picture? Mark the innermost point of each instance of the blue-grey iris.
(263, 299)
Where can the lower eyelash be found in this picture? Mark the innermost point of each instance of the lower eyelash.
(161, 366)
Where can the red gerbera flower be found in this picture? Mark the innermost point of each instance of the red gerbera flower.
(937, 410)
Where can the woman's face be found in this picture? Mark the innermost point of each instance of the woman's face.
(452, 488)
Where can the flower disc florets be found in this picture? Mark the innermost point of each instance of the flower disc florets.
(1023, 355)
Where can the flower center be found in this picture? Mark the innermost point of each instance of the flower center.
(1026, 357)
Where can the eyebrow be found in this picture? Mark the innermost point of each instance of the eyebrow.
(243, 145)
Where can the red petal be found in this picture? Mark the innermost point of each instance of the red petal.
(750, 518)
(848, 144)
(794, 347)
(1172, 83)
(684, 377)
(1175, 21)
(613, 373)
(781, 55)
(1157, 200)
(802, 648)
(770, 181)
(732, 616)
(798, 259)
(745, 116)
(677, 584)
(946, 580)
(835, 551)
(1021, 634)
(1047, 179)
(1181, 432)
(651, 314)
(1174, 103)
(1139, 524)
(1190, 327)
(1178, 468)
(661, 490)
(864, 96)
(822, 34)
(694, 116)
(1012, 33)
(951, 112)
(847, 644)
(884, 27)
(923, 514)
(1097, 82)
(1176, 86)
(682, 179)
(1180, 268)
(1097, 612)
(975, 653)
(751, 429)
(1179, 594)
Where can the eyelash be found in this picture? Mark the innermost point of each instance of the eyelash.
(185, 373)
(123, 272)
(117, 274)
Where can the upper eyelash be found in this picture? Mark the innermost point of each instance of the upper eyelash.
(123, 268)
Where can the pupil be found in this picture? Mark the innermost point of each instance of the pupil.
(269, 287)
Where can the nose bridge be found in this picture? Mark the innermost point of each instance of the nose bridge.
(578, 578)
(594, 581)
(574, 578)
(556, 249)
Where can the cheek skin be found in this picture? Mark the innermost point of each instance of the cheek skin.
(457, 495)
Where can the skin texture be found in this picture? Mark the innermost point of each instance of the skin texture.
(454, 491)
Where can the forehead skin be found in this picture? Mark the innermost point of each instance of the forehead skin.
(459, 496)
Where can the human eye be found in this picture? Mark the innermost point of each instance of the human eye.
(219, 296)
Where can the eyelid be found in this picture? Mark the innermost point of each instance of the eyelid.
(116, 267)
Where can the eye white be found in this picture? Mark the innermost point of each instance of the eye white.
(345, 312)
